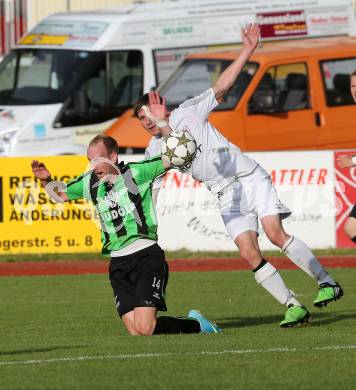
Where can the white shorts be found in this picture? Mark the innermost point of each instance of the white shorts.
(248, 199)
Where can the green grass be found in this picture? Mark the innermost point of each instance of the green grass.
(180, 254)
(63, 333)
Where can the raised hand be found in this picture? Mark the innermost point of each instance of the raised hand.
(157, 108)
(40, 170)
(250, 36)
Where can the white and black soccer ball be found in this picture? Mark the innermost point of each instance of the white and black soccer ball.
(179, 149)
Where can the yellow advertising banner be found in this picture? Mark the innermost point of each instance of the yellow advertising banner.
(41, 39)
(31, 222)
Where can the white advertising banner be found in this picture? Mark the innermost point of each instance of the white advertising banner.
(189, 216)
(305, 184)
(213, 23)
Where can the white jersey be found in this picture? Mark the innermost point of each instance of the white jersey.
(218, 161)
(153, 149)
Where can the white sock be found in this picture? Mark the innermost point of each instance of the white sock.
(303, 258)
(269, 278)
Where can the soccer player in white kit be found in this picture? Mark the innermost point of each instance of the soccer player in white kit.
(244, 189)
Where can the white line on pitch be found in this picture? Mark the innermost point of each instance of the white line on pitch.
(155, 355)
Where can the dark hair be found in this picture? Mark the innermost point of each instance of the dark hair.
(142, 101)
(353, 73)
(109, 142)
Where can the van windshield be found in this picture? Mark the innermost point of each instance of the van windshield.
(196, 76)
(38, 76)
(45, 76)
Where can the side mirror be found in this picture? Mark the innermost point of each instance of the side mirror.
(262, 102)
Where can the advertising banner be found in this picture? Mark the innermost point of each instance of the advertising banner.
(188, 214)
(65, 33)
(32, 223)
(307, 21)
(305, 184)
(330, 21)
(282, 24)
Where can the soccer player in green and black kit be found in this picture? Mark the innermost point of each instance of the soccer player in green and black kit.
(122, 196)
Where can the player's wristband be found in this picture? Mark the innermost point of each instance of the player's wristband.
(156, 121)
(353, 159)
(161, 123)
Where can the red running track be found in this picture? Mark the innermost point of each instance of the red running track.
(180, 265)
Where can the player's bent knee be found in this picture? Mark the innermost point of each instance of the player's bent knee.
(128, 320)
(145, 328)
(250, 254)
(277, 238)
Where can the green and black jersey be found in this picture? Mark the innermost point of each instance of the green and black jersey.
(126, 209)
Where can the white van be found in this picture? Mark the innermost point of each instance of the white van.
(73, 74)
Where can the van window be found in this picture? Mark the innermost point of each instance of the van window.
(29, 77)
(336, 77)
(282, 88)
(7, 76)
(93, 86)
(126, 78)
(112, 84)
(167, 60)
(196, 76)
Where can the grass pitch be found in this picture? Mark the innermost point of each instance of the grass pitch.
(63, 333)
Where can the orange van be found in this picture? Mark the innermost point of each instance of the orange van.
(291, 95)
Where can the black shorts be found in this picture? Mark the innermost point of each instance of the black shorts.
(353, 212)
(139, 279)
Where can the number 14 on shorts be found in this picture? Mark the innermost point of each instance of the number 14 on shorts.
(156, 283)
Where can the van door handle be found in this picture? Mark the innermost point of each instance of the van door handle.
(317, 119)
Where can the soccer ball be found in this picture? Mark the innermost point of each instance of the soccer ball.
(179, 149)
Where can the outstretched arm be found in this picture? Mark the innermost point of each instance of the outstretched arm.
(42, 173)
(250, 37)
